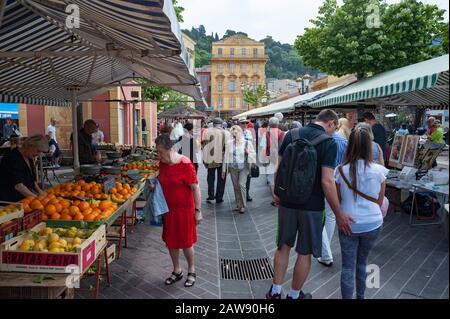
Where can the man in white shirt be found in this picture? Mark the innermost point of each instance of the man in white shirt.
(51, 129)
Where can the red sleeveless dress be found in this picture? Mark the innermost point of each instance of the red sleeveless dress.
(179, 229)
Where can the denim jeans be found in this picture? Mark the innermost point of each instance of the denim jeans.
(355, 254)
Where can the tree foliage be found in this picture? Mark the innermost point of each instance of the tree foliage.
(255, 97)
(178, 10)
(370, 36)
(165, 97)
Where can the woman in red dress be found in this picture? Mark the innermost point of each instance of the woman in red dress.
(180, 187)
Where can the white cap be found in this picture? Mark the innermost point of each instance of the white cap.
(279, 116)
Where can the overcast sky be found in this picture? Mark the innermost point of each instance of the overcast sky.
(282, 19)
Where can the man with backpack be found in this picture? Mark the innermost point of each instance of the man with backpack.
(305, 177)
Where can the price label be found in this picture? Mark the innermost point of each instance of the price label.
(109, 183)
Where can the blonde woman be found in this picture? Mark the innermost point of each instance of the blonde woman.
(344, 128)
(239, 155)
(17, 170)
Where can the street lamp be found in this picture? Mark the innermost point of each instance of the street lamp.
(303, 83)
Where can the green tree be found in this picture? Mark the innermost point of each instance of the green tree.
(178, 10)
(165, 97)
(370, 36)
(255, 97)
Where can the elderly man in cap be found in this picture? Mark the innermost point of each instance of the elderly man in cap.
(213, 148)
(243, 123)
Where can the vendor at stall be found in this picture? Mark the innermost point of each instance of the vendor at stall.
(86, 149)
(17, 170)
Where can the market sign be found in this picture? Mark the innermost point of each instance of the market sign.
(9, 110)
(108, 184)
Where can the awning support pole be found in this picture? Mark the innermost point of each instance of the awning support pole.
(76, 158)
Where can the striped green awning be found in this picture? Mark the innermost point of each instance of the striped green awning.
(421, 78)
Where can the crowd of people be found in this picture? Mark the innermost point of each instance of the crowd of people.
(328, 173)
(342, 157)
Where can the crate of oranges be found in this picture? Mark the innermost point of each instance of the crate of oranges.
(79, 189)
(71, 212)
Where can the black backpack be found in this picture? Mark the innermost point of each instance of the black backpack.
(296, 174)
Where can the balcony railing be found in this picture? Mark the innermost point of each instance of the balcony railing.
(239, 57)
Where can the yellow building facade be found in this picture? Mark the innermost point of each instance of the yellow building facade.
(238, 63)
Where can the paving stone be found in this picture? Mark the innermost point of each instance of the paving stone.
(236, 295)
(234, 286)
(254, 253)
(229, 245)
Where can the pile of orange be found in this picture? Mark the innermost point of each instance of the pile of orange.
(122, 191)
(79, 189)
(58, 208)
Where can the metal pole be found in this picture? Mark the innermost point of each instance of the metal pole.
(134, 125)
(76, 159)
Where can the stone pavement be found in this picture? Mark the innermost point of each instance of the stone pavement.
(413, 261)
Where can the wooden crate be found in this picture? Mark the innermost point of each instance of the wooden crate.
(12, 216)
(111, 253)
(23, 286)
(46, 262)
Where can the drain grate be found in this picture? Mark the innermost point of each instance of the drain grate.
(249, 269)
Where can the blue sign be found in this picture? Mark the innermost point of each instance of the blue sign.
(9, 110)
(210, 108)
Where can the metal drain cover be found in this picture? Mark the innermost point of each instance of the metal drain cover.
(248, 269)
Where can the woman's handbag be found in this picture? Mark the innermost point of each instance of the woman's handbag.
(254, 171)
(384, 207)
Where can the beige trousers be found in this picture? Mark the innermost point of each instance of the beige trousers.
(239, 179)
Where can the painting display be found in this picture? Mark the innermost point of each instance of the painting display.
(410, 151)
(396, 150)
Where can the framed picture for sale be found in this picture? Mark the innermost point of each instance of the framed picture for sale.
(410, 152)
(397, 150)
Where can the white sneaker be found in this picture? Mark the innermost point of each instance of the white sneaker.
(326, 263)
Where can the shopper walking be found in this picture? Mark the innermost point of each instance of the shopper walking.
(300, 217)
(182, 193)
(361, 186)
(248, 136)
(239, 156)
(213, 149)
(271, 142)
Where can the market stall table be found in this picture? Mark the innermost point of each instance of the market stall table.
(441, 192)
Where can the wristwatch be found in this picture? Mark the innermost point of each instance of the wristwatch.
(197, 210)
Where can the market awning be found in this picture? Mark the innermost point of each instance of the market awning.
(421, 84)
(41, 57)
(286, 106)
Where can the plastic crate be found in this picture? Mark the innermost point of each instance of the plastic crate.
(30, 220)
(9, 230)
